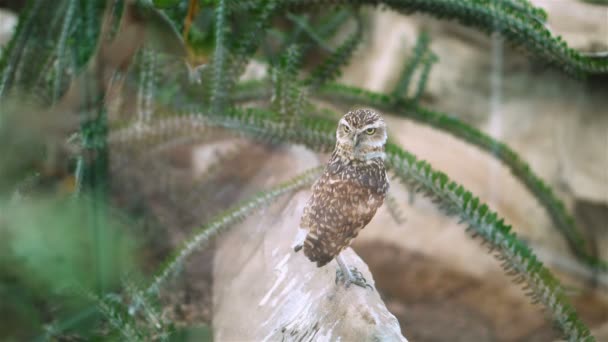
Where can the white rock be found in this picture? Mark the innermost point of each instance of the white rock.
(264, 291)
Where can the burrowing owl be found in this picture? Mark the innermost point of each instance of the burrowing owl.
(346, 196)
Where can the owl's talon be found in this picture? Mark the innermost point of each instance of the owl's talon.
(352, 277)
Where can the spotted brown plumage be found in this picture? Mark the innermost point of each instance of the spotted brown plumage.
(353, 186)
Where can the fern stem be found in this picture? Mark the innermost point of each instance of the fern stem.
(420, 51)
(230, 217)
(61, 47)
(428, 62)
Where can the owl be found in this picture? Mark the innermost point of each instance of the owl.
(348, 193)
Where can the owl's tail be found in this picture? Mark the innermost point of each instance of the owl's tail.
(313, 254)
(318, 250)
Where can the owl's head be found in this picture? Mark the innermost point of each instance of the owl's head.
(361, 135)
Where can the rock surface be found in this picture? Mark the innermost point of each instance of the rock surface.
(264, 291)
(8, 21)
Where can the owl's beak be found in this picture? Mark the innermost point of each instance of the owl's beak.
(356, 141)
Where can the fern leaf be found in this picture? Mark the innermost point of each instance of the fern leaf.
(427, 64)
(421, 49)
(330, 68)
(302, 24)
(147, 85)
(392, 206)
(287, 94)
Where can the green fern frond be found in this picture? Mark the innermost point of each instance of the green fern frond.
(252, 90)
(220, 59)
(325, 28)
(331, 67)
(520, 24)
(527, 7)
(156, 136)
(421, 50)
(90, 20)
(427, 64)
(140, 302)
(392, 205)
(61, 49)
(112, 309)
(518, 167)
(303, 25)
(147, 84)
(286, 98)
(517, 258)
(330, 25)
(13, 52)
(229, 218)
(248, 44)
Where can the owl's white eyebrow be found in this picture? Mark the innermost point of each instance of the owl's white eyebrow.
(372, 125)
(343, 121)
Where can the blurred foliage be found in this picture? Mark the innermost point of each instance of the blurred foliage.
(47, 252)
(89, 87)
(599, 2)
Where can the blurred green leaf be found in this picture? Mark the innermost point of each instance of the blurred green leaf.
(47, 250)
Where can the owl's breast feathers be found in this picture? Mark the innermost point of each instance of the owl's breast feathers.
(344, 200)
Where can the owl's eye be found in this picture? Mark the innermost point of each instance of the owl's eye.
(345, 128)
(370, 131)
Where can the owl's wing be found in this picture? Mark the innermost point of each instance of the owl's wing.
(337, 210)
